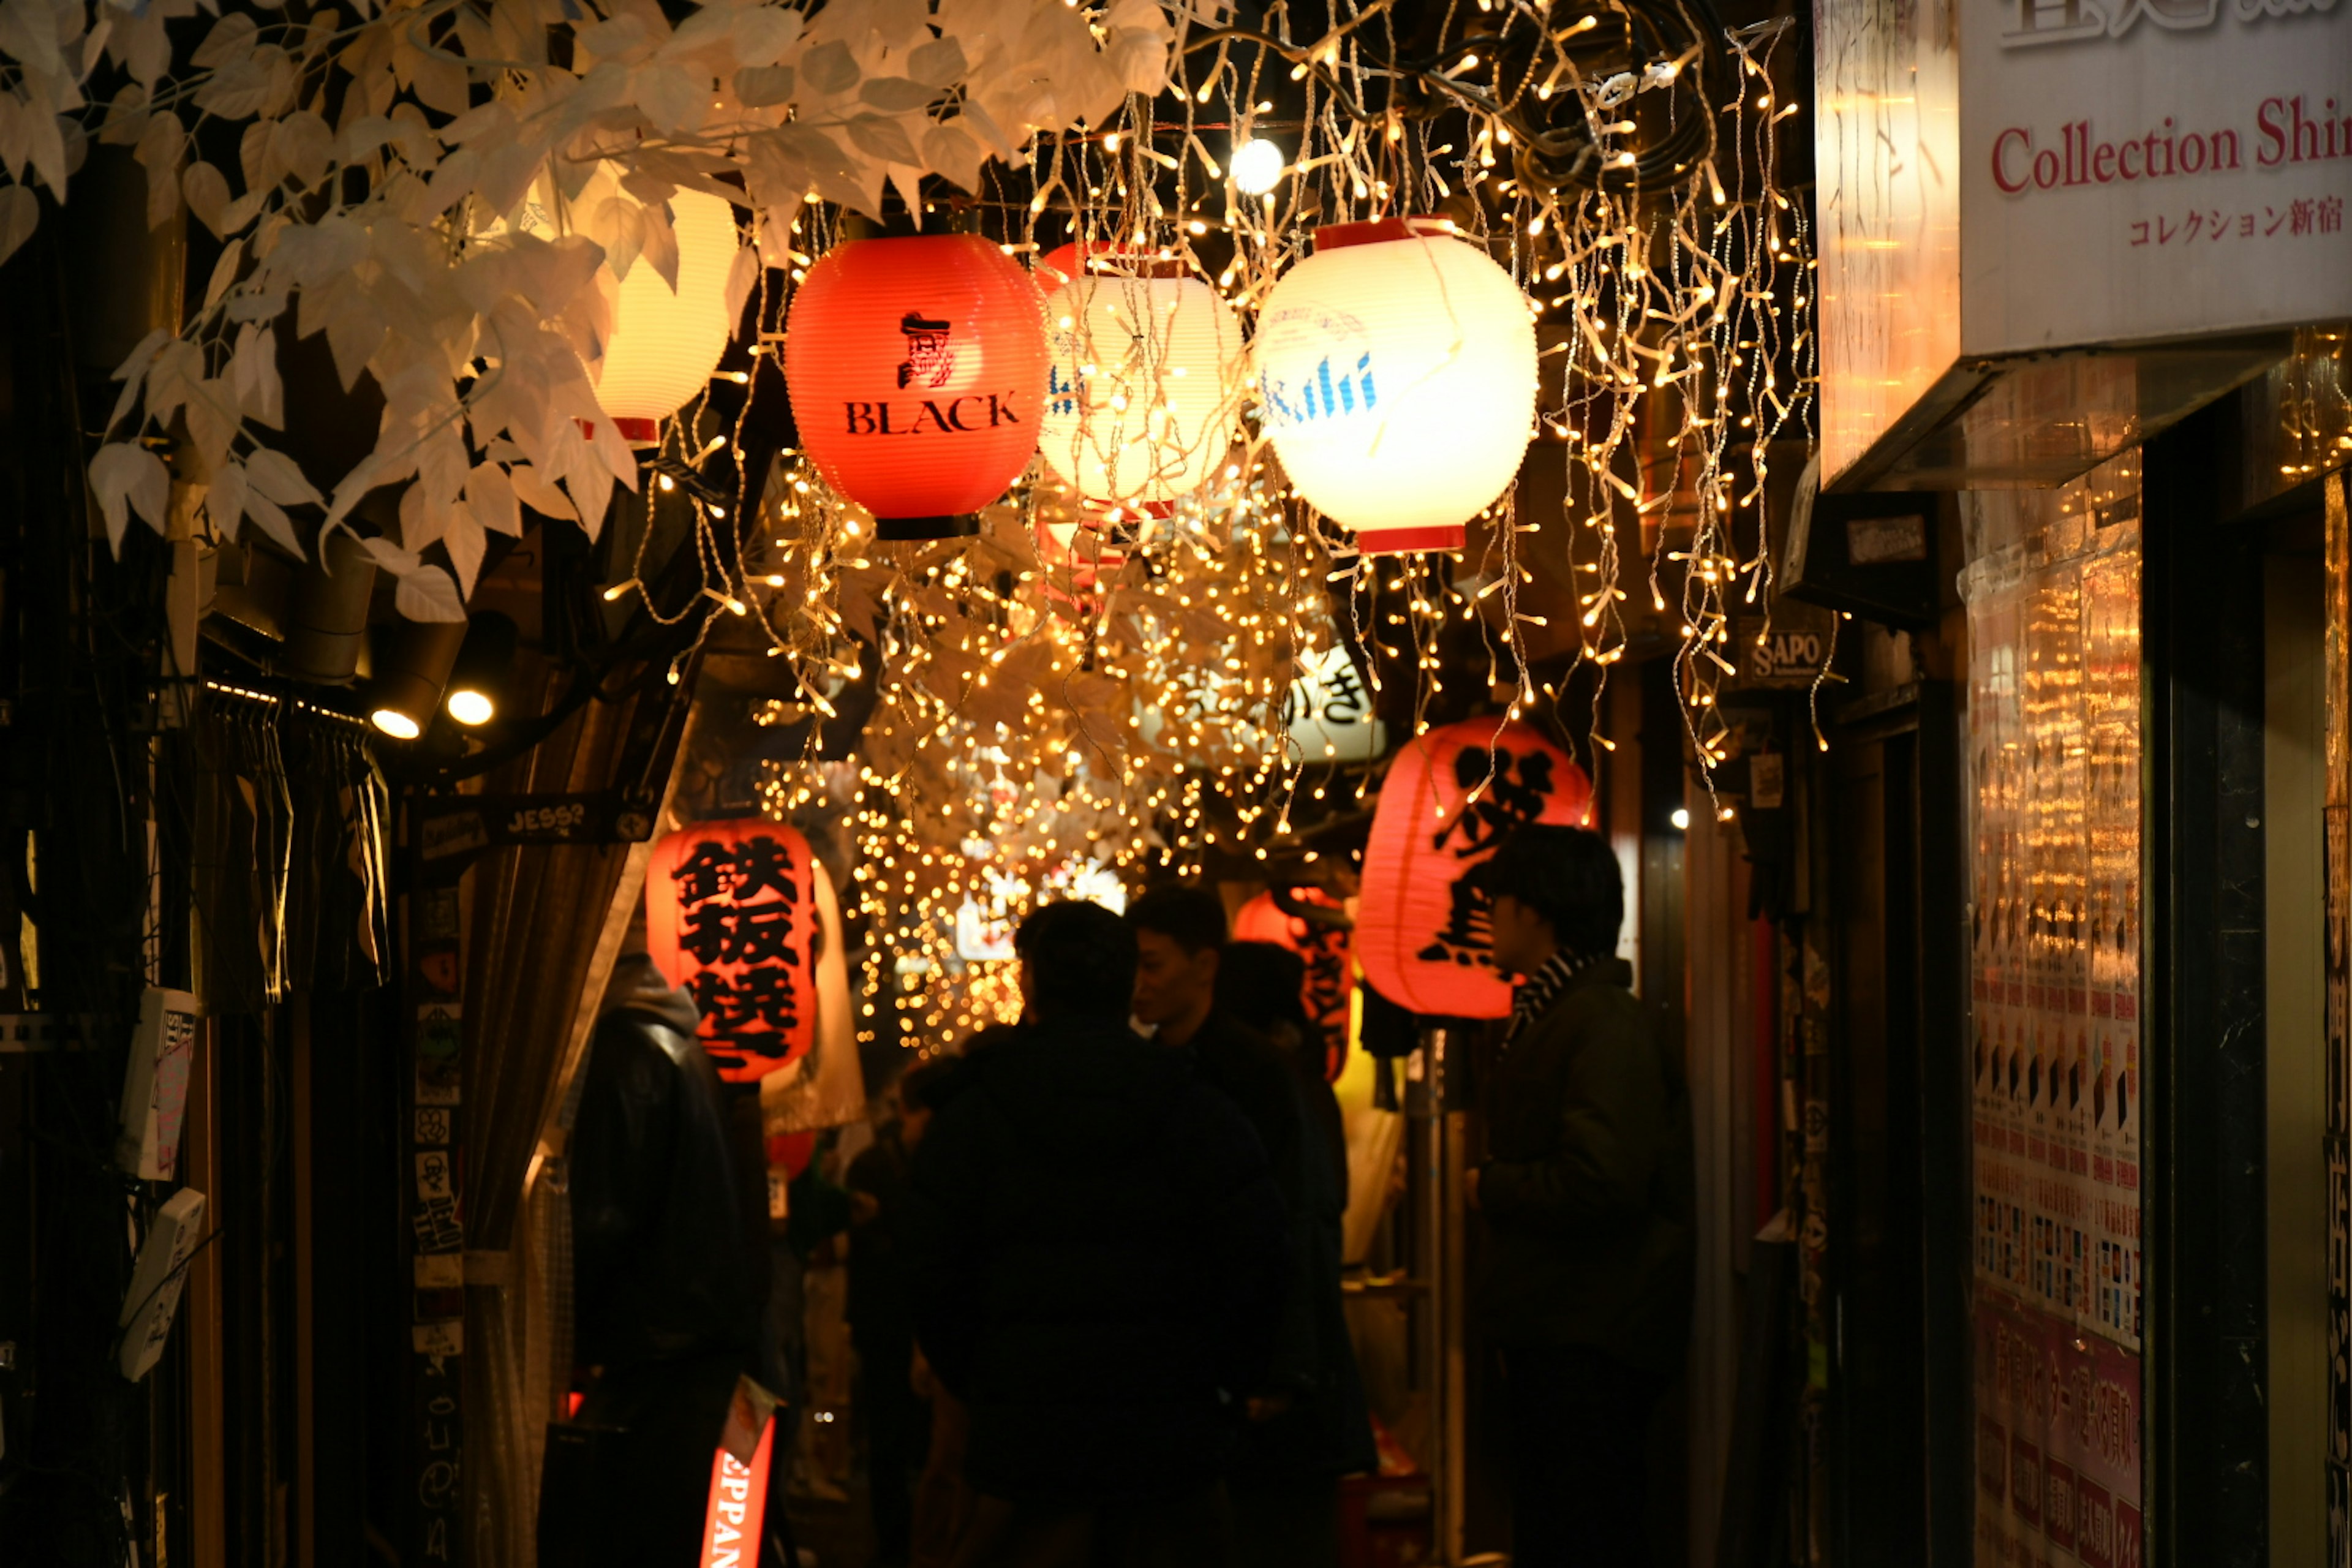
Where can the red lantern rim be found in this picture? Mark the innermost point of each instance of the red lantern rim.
(1381, 231)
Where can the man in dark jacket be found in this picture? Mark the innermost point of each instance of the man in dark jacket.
(1180, 938)
(1099, 1257)
(665, 1297)
(1586, 1273)
(882, 1311)
(1285, 1481)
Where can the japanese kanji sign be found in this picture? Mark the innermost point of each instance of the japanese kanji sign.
(1450, 798)
(728, 915)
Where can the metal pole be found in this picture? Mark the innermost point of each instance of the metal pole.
(1435, 1094)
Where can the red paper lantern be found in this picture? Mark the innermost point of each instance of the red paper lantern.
(1421, 932)
(917, 369)
(1330, 980)
(729, 914)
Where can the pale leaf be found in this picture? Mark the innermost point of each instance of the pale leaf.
(536, 493)
(885, 139)
(465, 542)
(126, 117)
(762, 33)
(225, 499)
(206, 189)
(938, 63)
(672, 97)
(275, 476)
(661, 251)
(594, 486)
(212, 419)
(830, 67)
(421, 522)
(253, 370)
(619, 226)
(760, 87)
(490, 498)
(126, 479)
(303, 146)
(895, 94)
(231, 257)
(427, 594)
(273, 522)
(391, 557)
(230, 37)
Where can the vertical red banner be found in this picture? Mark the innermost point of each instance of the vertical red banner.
(730, 915)
(738, 1506)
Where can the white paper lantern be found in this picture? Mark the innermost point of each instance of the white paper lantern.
(1397, 370)
(664, 344)
(1141, 404)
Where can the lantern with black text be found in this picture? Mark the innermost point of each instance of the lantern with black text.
(1396, 371)
(1310, 922)
(917, 369)
(729, 912)
(1421, 932)
(1141, 405)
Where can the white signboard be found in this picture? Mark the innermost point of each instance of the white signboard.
(2143, 169)
(1329, 714)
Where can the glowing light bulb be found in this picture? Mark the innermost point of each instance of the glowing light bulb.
(471, 708)
(1257, 164)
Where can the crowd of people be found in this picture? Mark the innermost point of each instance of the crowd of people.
(1095, 1259)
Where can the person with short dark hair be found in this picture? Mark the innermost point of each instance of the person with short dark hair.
(1587, 1195)
(882, 1309)
(1099, 1255)
(1286, 1480)
(1179, 936)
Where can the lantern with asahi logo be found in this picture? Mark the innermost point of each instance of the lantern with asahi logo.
(1141, 406)
(1397, 371)
(916, 368)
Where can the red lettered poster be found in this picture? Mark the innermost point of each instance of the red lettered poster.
(729, 914)
(738, 1503)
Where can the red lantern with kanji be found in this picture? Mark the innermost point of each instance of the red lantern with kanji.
(1422, 932)
(1322, 946)
(917, 369)
(731, 911)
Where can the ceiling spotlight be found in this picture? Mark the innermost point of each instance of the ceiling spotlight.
(1257, 166)
(410, 675)
(480, 677)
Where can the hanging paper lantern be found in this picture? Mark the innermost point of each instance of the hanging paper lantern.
(1140, 407)
(1322, 946)
(664, 343)
(1396, 368)
(917, 369)
(1328, 714)
(730, 909)
(1422, 932)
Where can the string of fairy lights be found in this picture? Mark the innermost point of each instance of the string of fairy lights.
(1064, 707)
